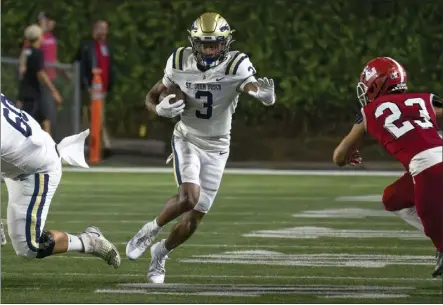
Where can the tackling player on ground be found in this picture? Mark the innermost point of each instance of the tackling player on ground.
(32, 169)
(212, 77)
(405, 124)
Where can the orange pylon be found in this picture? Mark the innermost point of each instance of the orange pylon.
(96, 117)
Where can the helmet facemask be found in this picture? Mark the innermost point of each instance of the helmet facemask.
(210, 51)
(362, 89)
(366, 93)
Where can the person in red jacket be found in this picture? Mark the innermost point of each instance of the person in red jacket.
(96, 53)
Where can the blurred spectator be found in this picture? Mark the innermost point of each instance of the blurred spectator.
(49, 51)
(30, 97)
(96, 53)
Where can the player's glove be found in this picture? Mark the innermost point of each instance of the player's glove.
(265, 92)
(167, 110)
(355, 159)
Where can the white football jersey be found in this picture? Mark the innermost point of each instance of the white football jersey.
(25, 147)
(211, 96)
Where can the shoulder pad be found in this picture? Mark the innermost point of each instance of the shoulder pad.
(179, 57)
(239, 65)
(177, 62)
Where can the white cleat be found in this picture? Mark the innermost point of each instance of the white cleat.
(156, 272)
(141, 241)
(96, 244)
(2, 235)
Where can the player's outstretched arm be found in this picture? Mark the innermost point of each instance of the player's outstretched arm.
(347, 151)
(263, 90)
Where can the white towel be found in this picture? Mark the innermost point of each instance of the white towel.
(72, 149)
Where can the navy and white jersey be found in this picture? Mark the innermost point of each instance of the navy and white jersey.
(211, 95)
(25, 147)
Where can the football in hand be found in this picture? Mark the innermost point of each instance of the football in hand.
(179, 95)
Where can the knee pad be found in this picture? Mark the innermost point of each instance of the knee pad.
(399, 195)
(46, 245)
(395, 200)
(388, 199)
(22, 250)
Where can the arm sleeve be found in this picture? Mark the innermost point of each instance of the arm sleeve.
(358, 118)
(241, 68)
(436, 101)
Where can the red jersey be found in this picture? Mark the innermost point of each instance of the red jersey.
(49, 49)
(403, 123)
(103, 62)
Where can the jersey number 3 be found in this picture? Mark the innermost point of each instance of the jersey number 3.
(16, 118)
(397, 130)
(207, 105)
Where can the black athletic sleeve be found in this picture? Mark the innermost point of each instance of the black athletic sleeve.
(437, 101)
(358, 118)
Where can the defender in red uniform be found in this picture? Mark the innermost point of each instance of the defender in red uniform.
(405, 124)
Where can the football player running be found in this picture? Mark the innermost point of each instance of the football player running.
(31, 167)
(405, 124)
(212, 77)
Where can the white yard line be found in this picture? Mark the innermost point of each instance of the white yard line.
(163, 196)
(96, 213)
(239, 171)
(316, 247)
(350, 278)
(208, 293)
(304, 221)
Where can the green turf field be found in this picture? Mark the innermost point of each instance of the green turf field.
(267, 239)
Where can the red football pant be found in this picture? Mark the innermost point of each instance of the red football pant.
(429, 202)
(400, 194)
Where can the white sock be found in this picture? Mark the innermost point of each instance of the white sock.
(155, 227)
(410, 216)
(74, 243)
(162, 249)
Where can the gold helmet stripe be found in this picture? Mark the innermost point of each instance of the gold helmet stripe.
(208, 22)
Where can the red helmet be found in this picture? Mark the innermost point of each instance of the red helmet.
(381, 75)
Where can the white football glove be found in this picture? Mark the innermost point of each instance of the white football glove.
(167, 110)
(265, 92)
